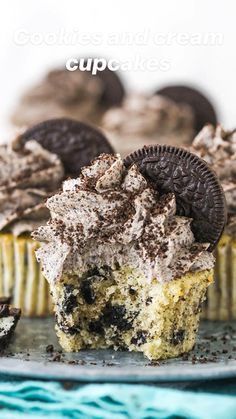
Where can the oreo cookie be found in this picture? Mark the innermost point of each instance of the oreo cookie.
(198, 192)
(113, 89)
(204, 111)
(74, 142)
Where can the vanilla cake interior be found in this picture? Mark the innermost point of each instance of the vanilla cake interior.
(117, 308)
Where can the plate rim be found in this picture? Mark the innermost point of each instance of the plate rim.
(90, 373)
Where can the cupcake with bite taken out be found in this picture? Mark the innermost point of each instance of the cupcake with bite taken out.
(128, 251)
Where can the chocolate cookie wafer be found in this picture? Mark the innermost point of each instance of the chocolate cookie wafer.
(113, 88)
(74, 142)
(203, 109)
(198, 192)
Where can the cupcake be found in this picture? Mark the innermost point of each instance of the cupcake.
(32, 168)
(74, 94)
(143, 120)
(28, 175)
(218, 148)
(123, 265)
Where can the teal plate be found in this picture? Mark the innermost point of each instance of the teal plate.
(214, 357)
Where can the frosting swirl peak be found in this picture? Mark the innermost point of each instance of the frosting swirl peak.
(145, 115)
(218, 148)
(111, 215)
(28, 175)
(60, 93)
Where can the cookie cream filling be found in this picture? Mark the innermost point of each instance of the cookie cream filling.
(112, 216)
(28, 175)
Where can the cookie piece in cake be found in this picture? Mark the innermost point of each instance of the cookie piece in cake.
(9, 318)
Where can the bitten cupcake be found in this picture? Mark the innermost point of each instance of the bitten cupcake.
(77, 95)
(28, 175)
(125, 268)
(218, 148)
(143, 120)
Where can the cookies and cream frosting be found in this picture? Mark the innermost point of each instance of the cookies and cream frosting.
(61, 93)
(145, 115)
(111, 215)
(28, 175)
(218, 148)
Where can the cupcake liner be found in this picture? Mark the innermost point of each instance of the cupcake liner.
(7, 265)
(21, 277)
(221, 296)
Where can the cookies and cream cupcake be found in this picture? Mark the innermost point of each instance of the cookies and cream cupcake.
(28, 175)
(32, 168)
(143, 120)
(72, 94)
(218, 148)
(127, 265)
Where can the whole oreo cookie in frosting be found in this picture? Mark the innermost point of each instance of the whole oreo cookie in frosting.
(74, 142)
(198, 192)
(204, 111)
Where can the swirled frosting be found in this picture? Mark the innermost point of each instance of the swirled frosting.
(28, 175)
(148, 115)
(111, 215)
(218, 148)
(61, 93)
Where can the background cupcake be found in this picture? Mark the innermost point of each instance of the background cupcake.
(74, 94)
(143, 120)
(28, 175)
(218, 148)
(31, 169)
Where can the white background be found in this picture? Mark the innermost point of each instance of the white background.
(211, 67)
